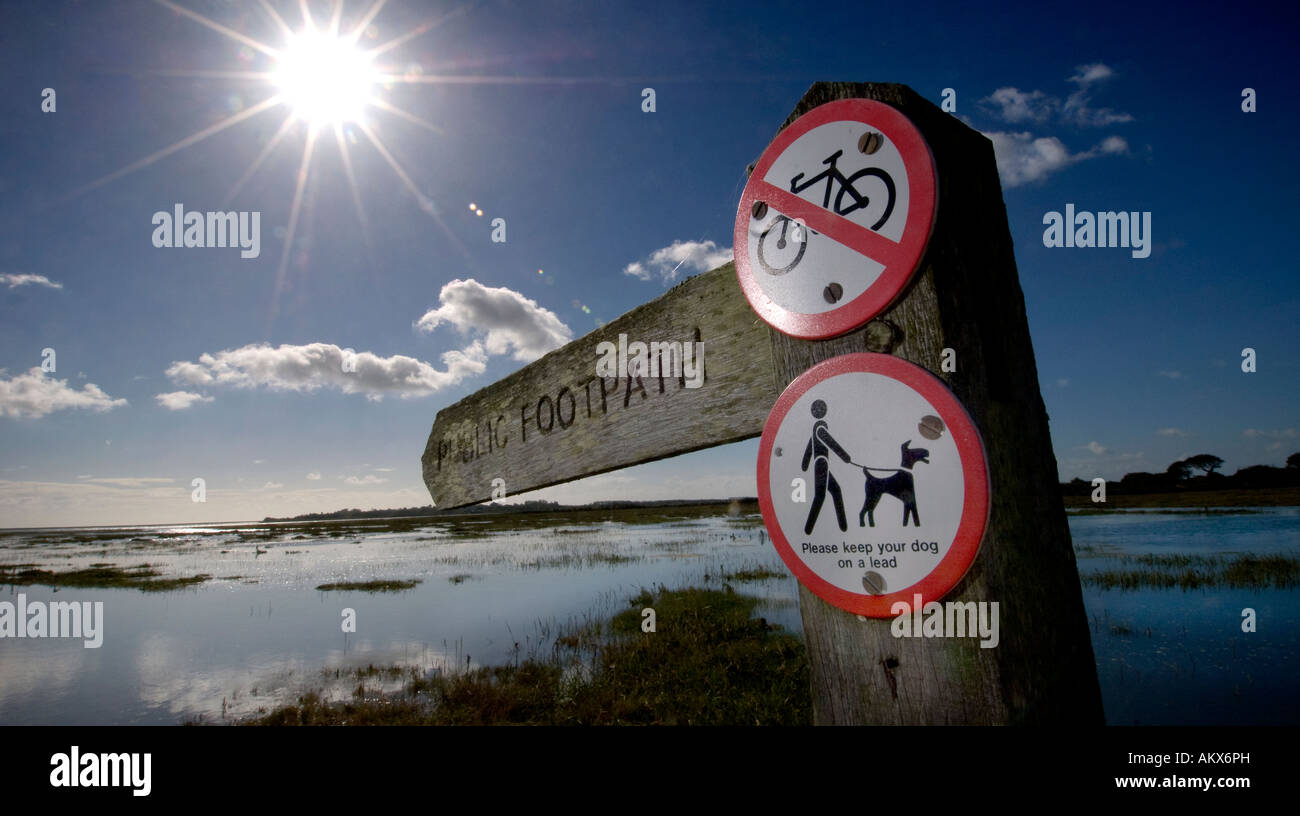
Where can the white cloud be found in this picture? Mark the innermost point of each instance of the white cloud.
(1063, 382)
(1171, 432)
(1110, 465)
(369, 478)
(83, 501)
(1076, 108)
(42, 504)
(508, 320)
(1015, 106)
(129, 481)
(320, 365)
(1077, 111)
(180, 400)
(33, 395)
(383, 470)
(272, 486)
(696, 256)
(313, 477)
(1022, 158)
(1173, 375)
(1285, 433)
(1088, 74)
(1110, 146)
(23, 279)
(1096, 448)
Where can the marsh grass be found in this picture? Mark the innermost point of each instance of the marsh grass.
(1246, 571)
(143, 577)
(536, 555)
(708, 662)
(369, 586)
(371, 670)
(754, 574)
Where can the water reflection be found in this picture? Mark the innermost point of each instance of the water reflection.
(259, 634)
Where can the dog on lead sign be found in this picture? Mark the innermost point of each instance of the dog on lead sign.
(835, 218)
(874, 432)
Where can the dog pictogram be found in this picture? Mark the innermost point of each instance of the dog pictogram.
(899, 486)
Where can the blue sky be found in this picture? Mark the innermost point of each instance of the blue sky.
(180, 363)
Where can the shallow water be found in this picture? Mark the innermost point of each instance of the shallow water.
(1177, 657)
(259, 634)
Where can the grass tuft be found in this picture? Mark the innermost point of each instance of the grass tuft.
(709, 662)
(143, 577)
(1199, 572)
(369, 586)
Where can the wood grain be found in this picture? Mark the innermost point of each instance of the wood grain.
(554, 420)
(966, 296)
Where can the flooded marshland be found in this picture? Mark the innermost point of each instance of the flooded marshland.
(227, 622)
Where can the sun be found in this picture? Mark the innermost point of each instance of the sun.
(324, 79)
(324, 75)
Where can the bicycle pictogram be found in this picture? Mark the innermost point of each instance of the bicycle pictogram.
(833, 175)
(797, 235)
(847, 186)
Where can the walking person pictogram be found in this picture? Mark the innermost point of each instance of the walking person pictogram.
(818, 444)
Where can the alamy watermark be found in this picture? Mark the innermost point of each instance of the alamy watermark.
(207, 230)
(684, 360)
(951, 619)
(90, 770)
(1102, 229)
(53, 619)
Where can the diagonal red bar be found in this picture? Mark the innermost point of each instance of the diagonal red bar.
(839, 229)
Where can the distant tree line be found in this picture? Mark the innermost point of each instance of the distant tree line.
(532, 506)
(426, 510)
(1196, 473)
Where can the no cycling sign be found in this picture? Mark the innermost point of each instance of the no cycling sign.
(873, 483)
(835, 218)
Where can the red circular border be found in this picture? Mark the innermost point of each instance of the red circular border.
(923, 203)
(974, 463)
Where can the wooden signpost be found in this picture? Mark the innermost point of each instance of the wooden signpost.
(557, 420)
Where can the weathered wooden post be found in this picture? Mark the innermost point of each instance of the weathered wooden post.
(556, 420)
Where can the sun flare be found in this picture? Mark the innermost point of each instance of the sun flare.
(323, 76)
(325, 79)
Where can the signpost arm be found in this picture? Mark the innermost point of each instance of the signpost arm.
(554, 420)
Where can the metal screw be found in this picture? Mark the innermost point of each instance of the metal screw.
(833, 293)
(873, 583)
(760, 209)
(931, 427)
(870, 142)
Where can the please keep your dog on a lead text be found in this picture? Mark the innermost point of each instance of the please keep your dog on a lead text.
(872, 550)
